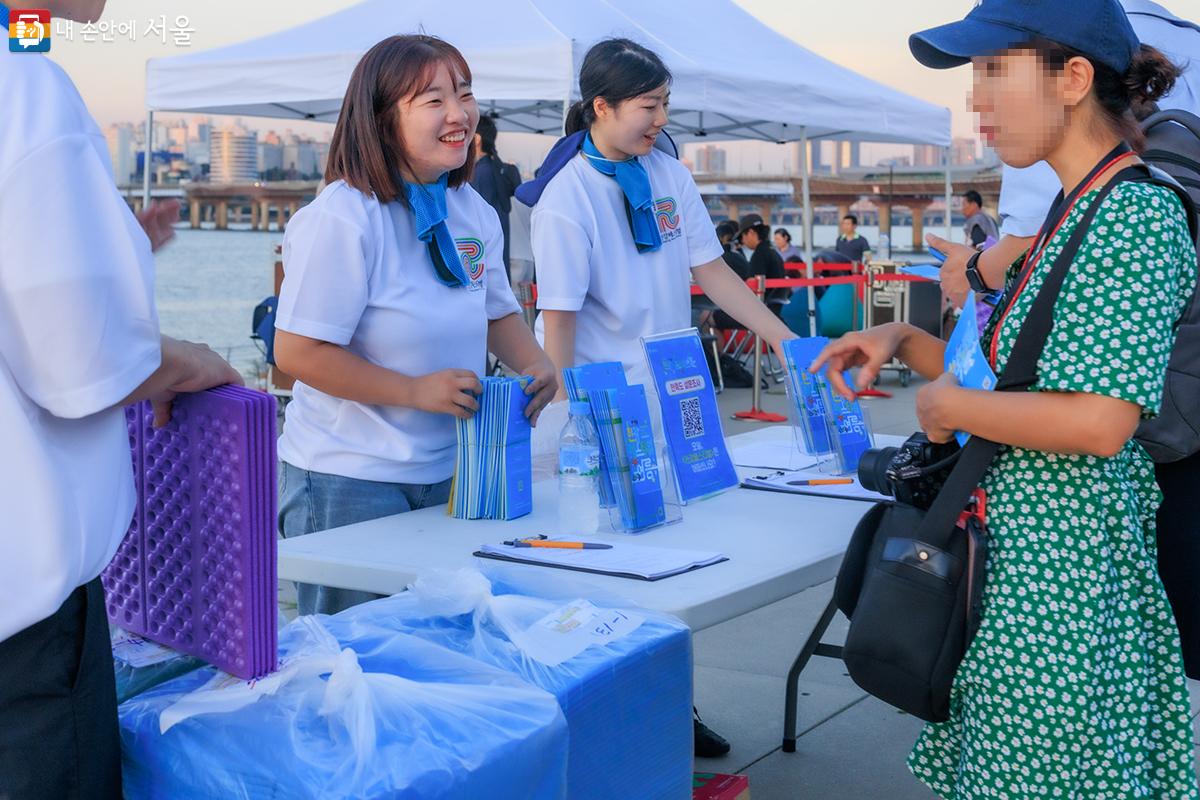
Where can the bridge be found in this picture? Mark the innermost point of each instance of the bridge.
(911, 188)
(258, 203)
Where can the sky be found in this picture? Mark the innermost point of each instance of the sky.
(870, 38)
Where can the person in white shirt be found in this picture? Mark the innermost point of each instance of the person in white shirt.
(394, 292)
(1026, 194)
(79, 339)
(619, 229)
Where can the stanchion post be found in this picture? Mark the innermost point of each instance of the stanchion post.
(756, 413)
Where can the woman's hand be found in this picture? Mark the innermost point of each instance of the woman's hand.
(868, 350)
(450, 391)
(936, 406)
(954, 268)
(157, 220)
(186, 367)
(543, 388)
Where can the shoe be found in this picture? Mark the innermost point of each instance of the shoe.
(708, 744)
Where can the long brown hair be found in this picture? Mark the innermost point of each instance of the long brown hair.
(367, 151)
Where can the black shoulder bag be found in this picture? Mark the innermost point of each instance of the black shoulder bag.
(912, 580)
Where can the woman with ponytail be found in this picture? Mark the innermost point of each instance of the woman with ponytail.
(1074, 685)
(619, 230)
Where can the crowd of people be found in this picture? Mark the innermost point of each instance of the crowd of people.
(397, 289)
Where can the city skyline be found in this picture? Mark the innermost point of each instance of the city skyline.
(111, 74)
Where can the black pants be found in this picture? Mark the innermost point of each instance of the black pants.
(58, 706)
(1179, 551)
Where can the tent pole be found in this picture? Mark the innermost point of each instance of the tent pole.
(146, 160)
(806, 198)
(949, 196)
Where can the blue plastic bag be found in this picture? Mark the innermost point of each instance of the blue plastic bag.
(623, 676)
(397, 718)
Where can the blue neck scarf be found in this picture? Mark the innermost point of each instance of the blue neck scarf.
(428, 204)
(639, 198)
(3, 16)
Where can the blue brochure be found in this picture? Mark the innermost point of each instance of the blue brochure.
(627, 441)
(965, 358)
(493, 472)
(805, 390)
(581, 380)
(691, 419)
(848, 427)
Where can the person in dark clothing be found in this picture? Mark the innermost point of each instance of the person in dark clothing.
(851, 243)
(494, 179)
(727, 231)
(765, 261)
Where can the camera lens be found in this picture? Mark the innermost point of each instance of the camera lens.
(873, 467)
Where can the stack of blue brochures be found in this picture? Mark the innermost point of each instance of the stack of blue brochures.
(493, 477)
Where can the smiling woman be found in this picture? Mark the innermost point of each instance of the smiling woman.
(394, 291)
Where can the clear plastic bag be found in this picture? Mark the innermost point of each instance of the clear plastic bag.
(623, 676)
(396, 717)
(140, 664)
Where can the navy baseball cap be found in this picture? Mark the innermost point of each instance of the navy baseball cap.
(1098, 29)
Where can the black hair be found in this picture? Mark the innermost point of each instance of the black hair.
(1123, 98)
(487, 134)
(853, 219)
(784, 233)
(727, 228)
(762, 230)
(616, 70)
(972, 196)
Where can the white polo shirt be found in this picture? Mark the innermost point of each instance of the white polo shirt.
(587, 261)
(1026, 194)
(78, 333)
(356, 275)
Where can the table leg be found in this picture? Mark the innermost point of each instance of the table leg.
(812, 647)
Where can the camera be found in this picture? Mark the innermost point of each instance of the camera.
(913, 473)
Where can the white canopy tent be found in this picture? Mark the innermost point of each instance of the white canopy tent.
(525, 55)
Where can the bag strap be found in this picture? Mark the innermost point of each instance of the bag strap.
(1020, 372)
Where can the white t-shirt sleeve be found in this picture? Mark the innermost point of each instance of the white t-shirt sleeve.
(501, 302)
(703, 244)
(77, 321)
(1025, 199)
(562, 250)
(326, 264)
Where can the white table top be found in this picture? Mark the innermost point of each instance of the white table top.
(777, 544)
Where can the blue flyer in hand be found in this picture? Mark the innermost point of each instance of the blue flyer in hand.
(691, 419)
(965, 358)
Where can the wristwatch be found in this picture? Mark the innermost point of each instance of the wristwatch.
(973, 277)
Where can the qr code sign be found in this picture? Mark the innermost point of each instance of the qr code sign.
(693, 420)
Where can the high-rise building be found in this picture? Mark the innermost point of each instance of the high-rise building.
(233, 155)
(710, 160)
(927, 155)
(963, 150)
(121, 151)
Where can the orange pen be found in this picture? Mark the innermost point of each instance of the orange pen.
(823, 482)
(557, 545)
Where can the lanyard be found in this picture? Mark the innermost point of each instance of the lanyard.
(1059, 213)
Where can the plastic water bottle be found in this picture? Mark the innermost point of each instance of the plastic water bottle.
(578, 474)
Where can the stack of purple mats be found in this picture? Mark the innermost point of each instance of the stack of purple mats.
(197, 569)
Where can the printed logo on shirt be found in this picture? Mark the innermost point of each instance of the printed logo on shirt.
(668, 219)
(471, 253)
(29, 30)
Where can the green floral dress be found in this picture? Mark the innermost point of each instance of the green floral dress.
(1074, 686)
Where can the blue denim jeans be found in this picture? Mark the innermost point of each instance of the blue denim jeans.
(314, 501)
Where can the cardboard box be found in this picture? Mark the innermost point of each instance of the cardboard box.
(709, 786)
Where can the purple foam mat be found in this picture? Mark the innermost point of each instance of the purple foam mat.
(195, 570)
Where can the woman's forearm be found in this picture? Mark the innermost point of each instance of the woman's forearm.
(511, 341)
(334, 370)
(1053, 422)
(727, 290)
(560, 342)
(923, 352)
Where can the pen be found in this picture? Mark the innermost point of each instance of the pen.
(823, 482)
(558, 545)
